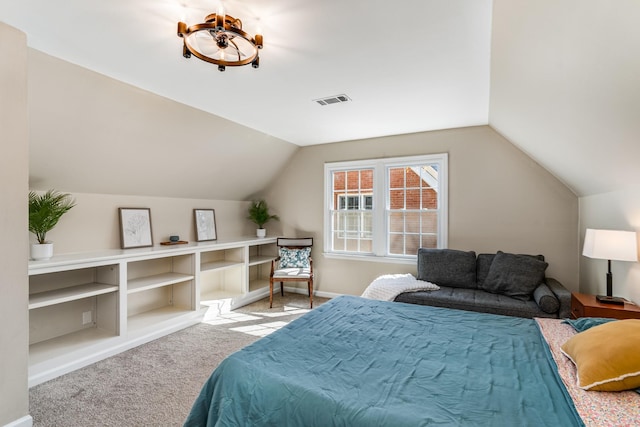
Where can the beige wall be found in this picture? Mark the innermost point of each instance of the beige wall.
(619, 210)
(14, 350)
(499, 199)
(93, 223)
(92, 134)
(564, 86)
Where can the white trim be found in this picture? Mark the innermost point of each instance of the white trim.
(410, 260)
(25, 421)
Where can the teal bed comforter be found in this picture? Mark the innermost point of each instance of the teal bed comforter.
(358, 362)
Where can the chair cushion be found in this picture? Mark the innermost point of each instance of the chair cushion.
(447, 267)
(293, 272)
(514, 275)
(294, 258)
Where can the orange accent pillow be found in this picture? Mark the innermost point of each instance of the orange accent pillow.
(607, 357)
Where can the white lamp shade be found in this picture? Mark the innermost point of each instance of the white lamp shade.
(611, 245)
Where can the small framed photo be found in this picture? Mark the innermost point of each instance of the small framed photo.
(205, 224)
(135, 228)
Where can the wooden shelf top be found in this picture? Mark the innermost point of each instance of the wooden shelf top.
(590, 301)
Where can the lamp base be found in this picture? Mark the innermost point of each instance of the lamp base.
(603, 299)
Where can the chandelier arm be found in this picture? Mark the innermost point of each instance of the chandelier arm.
(237, 48)
(229, 26)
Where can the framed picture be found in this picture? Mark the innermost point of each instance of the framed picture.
(205, 224)
(135, 228)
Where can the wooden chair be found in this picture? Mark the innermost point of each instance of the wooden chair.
(294, 264)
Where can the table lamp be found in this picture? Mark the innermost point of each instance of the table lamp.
(610, 245)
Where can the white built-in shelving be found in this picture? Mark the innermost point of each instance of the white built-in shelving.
(87, 306)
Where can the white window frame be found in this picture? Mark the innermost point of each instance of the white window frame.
(381, 204)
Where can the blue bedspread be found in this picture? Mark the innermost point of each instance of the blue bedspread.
(358, 362)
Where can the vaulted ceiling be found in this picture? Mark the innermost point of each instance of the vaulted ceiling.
(559, 78)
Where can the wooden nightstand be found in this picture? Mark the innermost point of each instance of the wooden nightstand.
(584, 305)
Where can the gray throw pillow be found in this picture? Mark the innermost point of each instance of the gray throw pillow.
(483, 264)
(546, 299)
(516, 276)
(447, 267)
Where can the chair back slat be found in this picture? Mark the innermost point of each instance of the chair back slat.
(295, 242)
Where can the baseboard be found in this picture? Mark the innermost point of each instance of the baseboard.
(25, 421)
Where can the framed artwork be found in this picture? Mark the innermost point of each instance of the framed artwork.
(205, 224)
(135, 228)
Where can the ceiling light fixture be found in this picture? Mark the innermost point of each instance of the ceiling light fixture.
(220, 40)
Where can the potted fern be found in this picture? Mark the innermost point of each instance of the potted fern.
(259, 214)
(45, 210)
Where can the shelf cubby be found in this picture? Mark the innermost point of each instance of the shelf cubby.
(84, 307)
(159, 289)
(72, 306)
(259, 265)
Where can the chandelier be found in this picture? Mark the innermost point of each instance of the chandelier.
(220, 40)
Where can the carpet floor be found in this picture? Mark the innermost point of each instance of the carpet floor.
(156, 383)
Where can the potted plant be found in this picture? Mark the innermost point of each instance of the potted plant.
(259, 214)
(45, 211)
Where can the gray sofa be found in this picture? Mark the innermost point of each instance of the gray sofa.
(501, 283)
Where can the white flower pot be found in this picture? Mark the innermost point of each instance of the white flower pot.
(41, 251)
(261, 232)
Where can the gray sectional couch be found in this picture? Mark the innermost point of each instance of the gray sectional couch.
(501, 283)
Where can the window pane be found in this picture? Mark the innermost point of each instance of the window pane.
(367, 225)
(368, 202)
(413, 199)
(337, 222)
(366, 245)
(412, 222)
(413, 203)
(396, 178)
(429, 241)
(353, 202)
(396, 199)
(338, 242)
(396, 222)
(353, 180)
(396, 244)
(412, 243)
(366, 180)
(339, 180)
(429, 199)
(413, 178)
(429, 222)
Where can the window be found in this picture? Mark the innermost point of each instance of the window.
(386, 207)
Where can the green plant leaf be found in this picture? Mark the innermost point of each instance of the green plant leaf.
(45, 211)
(259, 213)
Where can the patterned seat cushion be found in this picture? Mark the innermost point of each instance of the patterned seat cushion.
(288, 273)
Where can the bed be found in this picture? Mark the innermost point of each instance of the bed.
(360, 362)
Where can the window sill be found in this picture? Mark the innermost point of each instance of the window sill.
(370, 258)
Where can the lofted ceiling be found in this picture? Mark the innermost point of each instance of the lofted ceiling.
(408, 66)
(558, 78)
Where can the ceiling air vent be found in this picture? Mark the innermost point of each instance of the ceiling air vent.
(337, 99)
